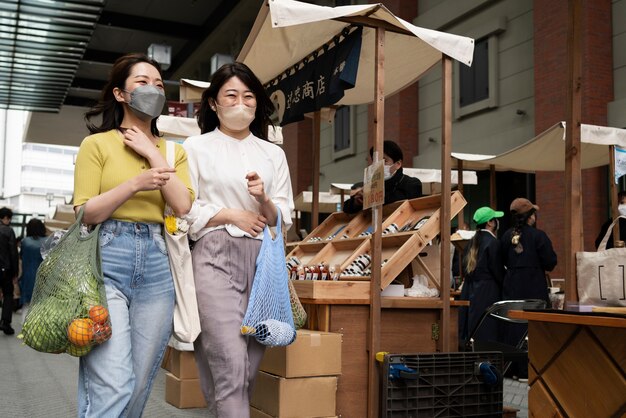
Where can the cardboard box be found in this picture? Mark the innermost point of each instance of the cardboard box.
(314, 353)
(297, 397)
(255, 413)
(181, 364)
(183, 393)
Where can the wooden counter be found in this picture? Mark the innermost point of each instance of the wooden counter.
(577, 364)
(408, 325)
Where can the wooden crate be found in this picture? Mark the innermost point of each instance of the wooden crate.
(344, 291)
(399, 248)
(330, 226)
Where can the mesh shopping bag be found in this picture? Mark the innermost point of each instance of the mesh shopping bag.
(269, 317)
(68, 311)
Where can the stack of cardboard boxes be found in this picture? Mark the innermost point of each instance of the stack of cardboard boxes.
(299, 380)
(182, 383)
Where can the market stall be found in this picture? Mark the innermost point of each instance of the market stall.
(393, 55)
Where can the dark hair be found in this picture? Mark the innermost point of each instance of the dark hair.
(207, 118)
(111, 110)
(621, 195)
(391, 149)
(6, 213)
(519, 220)
(35, 228)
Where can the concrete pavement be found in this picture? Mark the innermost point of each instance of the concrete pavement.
(37, 385)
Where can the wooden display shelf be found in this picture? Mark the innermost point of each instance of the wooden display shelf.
(330, 226)
(306, 251)
(339, 253)
(399, 248)
(343, 291)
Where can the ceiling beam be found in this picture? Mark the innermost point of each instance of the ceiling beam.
(107, 57)
(146, 24)
(213, 21)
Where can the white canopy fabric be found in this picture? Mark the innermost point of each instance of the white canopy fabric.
(177, 127)
(546, 151)
(286, 31)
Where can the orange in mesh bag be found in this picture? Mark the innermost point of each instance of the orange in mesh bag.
(68, 311)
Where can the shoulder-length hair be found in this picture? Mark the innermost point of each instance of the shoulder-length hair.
(35, 228)
(207, 118)
(111, 110)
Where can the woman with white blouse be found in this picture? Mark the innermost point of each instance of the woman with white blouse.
(241, 181)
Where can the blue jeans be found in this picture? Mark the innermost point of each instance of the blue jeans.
(115, 378)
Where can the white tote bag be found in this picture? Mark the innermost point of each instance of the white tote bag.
(186, 317)
(601, 275)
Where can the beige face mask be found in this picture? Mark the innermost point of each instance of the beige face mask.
(235, 118)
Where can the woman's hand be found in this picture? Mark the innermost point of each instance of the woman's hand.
(152, 179)
(249, 222)
(139, 142)
(256, 187)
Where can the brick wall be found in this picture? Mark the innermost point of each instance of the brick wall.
(298, 140)
(551, 72)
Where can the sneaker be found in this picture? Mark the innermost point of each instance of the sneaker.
(6, 328)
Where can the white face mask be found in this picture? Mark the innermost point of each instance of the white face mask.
(621, 209)
(387, 170)
(235, 118)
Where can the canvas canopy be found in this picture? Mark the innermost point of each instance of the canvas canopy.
(546, 151)
(177, 127)
(287, 31)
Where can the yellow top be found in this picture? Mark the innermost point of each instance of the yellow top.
(104, 162)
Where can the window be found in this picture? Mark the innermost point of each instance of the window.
(342, 129)
(474, 80)
(476, 87)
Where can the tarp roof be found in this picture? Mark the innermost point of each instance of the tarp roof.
(546, 151)
(287, 31)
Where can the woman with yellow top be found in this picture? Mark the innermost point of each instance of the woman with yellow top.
(123, 180)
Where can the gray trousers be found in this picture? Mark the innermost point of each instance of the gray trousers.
(228, 362)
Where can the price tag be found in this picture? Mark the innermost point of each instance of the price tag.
(374, 185)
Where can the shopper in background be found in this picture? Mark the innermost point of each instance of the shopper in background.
(9, 262)
(527, 255)
(398, 186)
(242, 181)
(30, 254)
(123, 181)
(621, 208)
(484, 272)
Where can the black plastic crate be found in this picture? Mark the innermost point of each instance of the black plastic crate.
(443, 385)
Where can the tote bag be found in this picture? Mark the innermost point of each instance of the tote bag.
(269, 317)
(186, 317)
(601, 275)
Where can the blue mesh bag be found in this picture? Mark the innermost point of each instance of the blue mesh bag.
(269, 317)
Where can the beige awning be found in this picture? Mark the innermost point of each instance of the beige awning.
(546, 151)
(287, 31)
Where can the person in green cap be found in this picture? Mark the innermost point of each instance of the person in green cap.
(484, 273)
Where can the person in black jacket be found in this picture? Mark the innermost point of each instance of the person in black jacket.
(484, 273)
(621, 208)
(527, 255)
(8, 268)
(398, 186)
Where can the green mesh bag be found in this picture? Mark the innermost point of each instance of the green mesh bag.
(68, 311)
(299, 314)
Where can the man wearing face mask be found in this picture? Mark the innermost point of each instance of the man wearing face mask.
(398, 186)
(621, 208)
